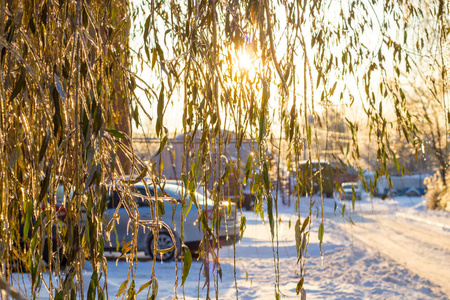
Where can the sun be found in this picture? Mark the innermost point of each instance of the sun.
(245, 60)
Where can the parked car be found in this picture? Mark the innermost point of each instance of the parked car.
(351, 189)
(389, 193)
(193, 233)
(413, 192)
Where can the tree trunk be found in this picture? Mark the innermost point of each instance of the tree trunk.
(443, 173)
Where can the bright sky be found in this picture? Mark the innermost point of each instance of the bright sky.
(174, 114)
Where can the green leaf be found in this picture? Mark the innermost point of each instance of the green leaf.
(187, 264)
(343, 210)
(292, 122)
(353, 202)
(305, 223)
(333, 88)
(137, 179)
(59, 87)
(161, 145)
(29, 213)
(45, 184)
(161, 209)
(20, 84)
(43, 147)
(266, 176)
(270, 214)
(147, 27)
(189, 206)
(144, 286)
(205, 223)
(321, 232)
(159, 111)
(262, 127)
(298, 238)
(319, 76)
(136, 116)
(154, 57)
(185, 180)
(248, 166)
(227, 173)
(115, 133)
(91, 175)
(98, 120)
(147, 53)
(59, 295)
(31, 25)
(127, 247)
(122, 288)
(131, 294)
(93, 285)
(265, 97)
(160, 51)
(243, 226)
(299, 285)
(155, 288)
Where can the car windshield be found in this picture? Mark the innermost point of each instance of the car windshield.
(140, 201)
(176, 191)
(349, 185)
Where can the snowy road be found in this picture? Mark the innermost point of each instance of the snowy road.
(421, 247)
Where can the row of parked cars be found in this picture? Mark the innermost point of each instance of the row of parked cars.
(199, 216)
(352, 190)
(202, 218)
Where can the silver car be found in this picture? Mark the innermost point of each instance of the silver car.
(201, 212)
(351, 189)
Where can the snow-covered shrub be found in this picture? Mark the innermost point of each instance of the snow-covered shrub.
(438, 195)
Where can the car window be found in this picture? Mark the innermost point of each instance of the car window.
(140, 201)
(176, 191)
(112, 200)
(349, 185)
(173, 191)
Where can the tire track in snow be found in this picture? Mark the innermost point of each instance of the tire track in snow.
(425, 253)
(421, 235)
(418, 219)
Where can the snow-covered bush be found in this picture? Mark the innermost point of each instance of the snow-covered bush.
(438, 195)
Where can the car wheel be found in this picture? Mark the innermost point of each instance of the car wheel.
(164, 242)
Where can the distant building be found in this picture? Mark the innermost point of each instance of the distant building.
(172, 160)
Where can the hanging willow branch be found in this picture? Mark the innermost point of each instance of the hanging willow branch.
(245, 73)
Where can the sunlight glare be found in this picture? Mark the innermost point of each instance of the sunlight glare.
(245, 62)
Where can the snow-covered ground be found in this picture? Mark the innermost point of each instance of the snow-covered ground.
(355, 264)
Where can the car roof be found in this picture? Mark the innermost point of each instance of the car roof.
(172, 188)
